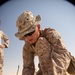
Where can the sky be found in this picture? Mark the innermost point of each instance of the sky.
(57, 14)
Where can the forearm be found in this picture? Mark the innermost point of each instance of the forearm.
(28, 70)
(28, 62)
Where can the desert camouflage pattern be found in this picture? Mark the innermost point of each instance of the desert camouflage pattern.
(26, 23)
(51, 51)
(3, 37)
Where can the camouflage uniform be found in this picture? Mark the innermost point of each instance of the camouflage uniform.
(53, 56)
(3, 37)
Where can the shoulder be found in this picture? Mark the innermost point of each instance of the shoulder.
(46, 31)
(50, 32)
(1, 31)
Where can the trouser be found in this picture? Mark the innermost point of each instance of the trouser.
(1, 56)
(40, 73)
(0, 70)
(1, 60)
(43, 50)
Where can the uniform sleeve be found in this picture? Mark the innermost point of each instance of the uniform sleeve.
(59, 55)
(28, 61)
(6, 39)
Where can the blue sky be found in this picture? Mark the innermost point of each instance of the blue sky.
(57, 14)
